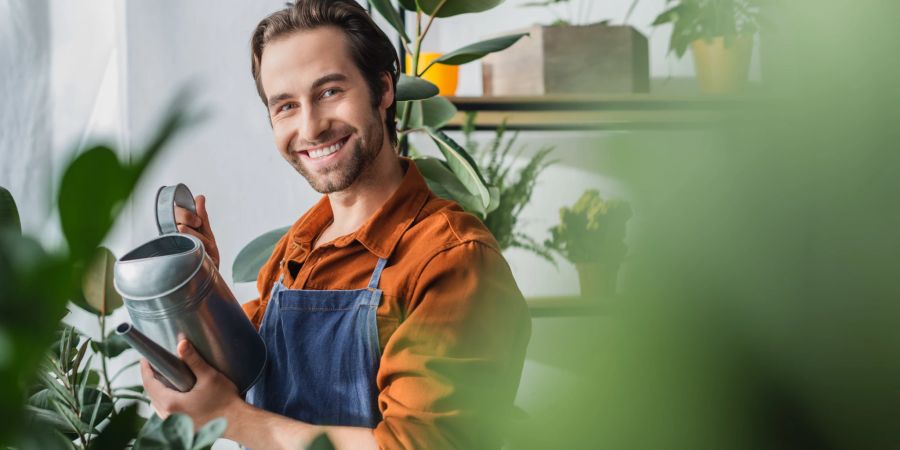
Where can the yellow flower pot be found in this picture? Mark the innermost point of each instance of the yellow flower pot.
(722, 70)
(446, 78)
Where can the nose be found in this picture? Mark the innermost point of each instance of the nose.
(312, 125)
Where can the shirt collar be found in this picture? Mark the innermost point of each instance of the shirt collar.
(387, 225)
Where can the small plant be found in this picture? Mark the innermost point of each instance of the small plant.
(591, 231)
(515, 187)
(693, 20)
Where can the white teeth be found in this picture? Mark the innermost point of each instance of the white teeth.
(322, 152)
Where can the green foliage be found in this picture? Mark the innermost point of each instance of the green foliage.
(707, 19)
(60, 389)
(176, 432)
(419, 110)
(448, 8)
(252, 257)
(592, 230)
(9, 214)
(414, 88)
(477, 50)
(514, 187)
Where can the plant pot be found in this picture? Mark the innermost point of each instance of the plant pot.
(445, 77)
(720, 69)
(585, 59)
(597, 279)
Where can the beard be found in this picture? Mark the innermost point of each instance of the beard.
(352, 166)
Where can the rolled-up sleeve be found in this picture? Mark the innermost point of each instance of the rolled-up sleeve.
(450, 371)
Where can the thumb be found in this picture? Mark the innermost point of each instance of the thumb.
(200, 201)
(193, 359)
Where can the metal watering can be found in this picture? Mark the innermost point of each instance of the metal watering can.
(171, 288)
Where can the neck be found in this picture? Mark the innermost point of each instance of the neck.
(354, 205)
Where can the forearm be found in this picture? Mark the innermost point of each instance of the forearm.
(258, 429)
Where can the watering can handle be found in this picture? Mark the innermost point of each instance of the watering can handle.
(166, 199)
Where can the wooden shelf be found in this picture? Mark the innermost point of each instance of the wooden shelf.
(568, 306)
(608, 112)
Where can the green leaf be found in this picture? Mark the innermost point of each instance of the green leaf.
(95, 185)
(9, 213)
(321, 442)
(386, 9)
(462, 165)
(178, 430)
(97, 283)
(411, 88)
(478, 50)
(112, 346)
(445, 184)
(434, 112)
(208, 434)
(120, 429)
(252, 257)
(90, 196)
(451, 7)
(93, 400)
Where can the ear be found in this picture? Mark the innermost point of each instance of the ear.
(387, 97)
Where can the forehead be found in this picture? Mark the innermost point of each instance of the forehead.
(295, 61)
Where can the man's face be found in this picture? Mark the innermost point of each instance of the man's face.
(321, 108)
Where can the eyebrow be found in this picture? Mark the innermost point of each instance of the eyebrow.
(331, 77)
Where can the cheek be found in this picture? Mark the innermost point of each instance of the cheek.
(282, 137)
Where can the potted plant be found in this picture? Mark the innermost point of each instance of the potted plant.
(720, 34)
(571, 56)
(497, 160)
(591, 235)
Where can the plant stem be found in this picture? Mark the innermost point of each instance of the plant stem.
(106, 382)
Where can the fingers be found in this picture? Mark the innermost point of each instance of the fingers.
(200, 200)
(192, 358)
(204, 239)
(187, 217)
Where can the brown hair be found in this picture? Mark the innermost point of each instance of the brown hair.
(370, 48)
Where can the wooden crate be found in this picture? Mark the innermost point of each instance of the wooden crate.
(589, 59)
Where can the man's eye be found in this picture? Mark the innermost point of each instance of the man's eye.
(287, 106)
(329, 92)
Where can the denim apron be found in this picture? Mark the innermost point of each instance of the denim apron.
(323, 355)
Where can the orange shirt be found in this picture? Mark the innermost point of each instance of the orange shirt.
(452, 324)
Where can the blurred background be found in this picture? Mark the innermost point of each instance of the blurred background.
(755, 305)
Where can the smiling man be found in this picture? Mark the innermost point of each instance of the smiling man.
(390, 317)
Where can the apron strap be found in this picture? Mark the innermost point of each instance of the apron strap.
(376, 275)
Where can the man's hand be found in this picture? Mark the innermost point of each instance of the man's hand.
(211, 397)
(198, 226)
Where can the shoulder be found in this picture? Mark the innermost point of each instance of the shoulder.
(441, 225)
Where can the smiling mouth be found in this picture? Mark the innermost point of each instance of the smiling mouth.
(326, 151)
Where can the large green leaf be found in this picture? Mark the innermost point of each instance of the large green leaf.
(112, 346)
(386, 9)
(120, 430)
(252, 257)
(444, 183)
(9, 214)
(434, 112)
(207, 434)
(462, 165)
(95, 185)
(95, 399)
(90, 196)
(450, 7)
(410, 88)
(97, 283)
(478, 50)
